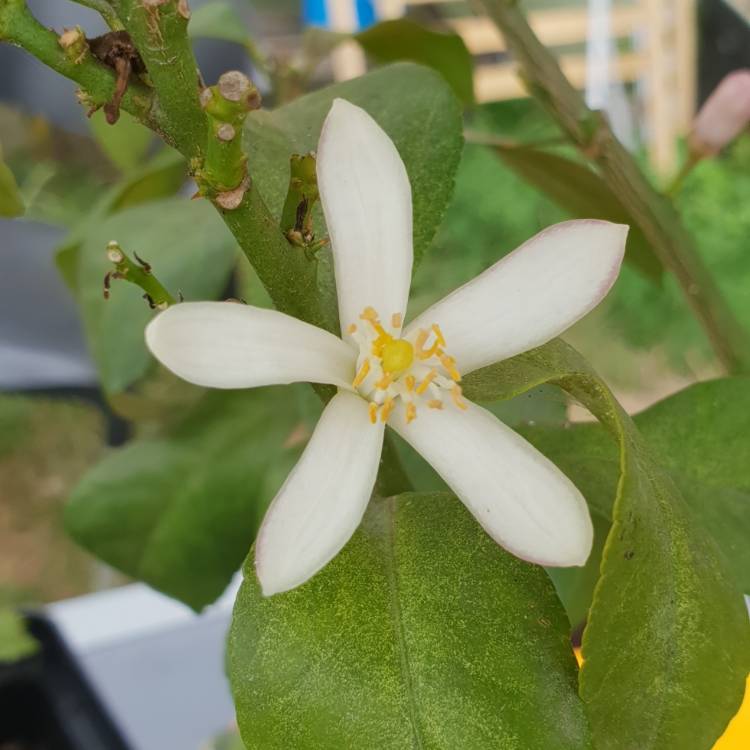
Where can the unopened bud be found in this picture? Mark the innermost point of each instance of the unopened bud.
(723, 116)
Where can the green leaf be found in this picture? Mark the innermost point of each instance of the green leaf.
(404, 39)
(218, 20)
(411, 103)
(652, 678)
(125, 143)
(191, 252)
(15, 641)
(11, 204)
(702, 435)
(582, 193)
(422, 632)
(180, 510)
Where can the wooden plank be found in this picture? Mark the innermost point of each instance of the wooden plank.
(500, 81)
(554, 28)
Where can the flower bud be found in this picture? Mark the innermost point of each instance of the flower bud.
(723, 116)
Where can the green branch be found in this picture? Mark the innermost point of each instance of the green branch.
(20, 28)
(136, 272)
(104, 9)
(158, 29)
(654, 214)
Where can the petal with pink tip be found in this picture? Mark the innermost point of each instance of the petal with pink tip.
(523, 501)
(529, 296)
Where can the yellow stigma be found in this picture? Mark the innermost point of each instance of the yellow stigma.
(397, 356)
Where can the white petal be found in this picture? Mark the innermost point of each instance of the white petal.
(366, 199)
(523, 501)
(323, 499)
(529, 296)
(229, 345)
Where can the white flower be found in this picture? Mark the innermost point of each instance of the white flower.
(407, 377)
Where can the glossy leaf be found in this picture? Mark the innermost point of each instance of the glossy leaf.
(667, 646)
(420, 633)
(582, 193)
(190, 251)
(411, 103)
(444, 51)
(702, 435)
(180, 510)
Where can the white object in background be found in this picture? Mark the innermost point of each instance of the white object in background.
(348, 59)
(603, 91)
(157, 667)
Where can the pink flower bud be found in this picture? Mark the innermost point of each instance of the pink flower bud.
(723, 116)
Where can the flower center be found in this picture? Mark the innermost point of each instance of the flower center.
(391, 368)
(397, 356)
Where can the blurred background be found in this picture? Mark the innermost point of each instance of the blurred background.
(648, 63)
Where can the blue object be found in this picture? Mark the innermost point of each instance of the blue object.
(315, 13)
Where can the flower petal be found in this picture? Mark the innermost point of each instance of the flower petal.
(523, 501)
(230, 345)
(529, 296)
(366, 199)
(323, 499)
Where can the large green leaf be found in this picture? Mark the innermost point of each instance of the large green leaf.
(411, 103)
(667, 646)
(702, 435)
(582, 193)
(444, 51)
(191, 252)
(180, 510)
(422, 633)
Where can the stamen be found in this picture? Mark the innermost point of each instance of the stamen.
(396, 320)
(388, 406)
(421, 340)
(373, 411)
(385, 381)
(369, 313)
(439, 334)
(351, 328)
(450, 364)
(435, 403)
(362, 374)
(410, 382)
(456, 396)
(411, 412)
(371, 316)
(431, 375)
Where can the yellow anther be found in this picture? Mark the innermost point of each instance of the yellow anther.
(422, 387)
(410, 382)
(397, 356)
(351, 328)
(411, 412)
(373, 411)
(456, 396)
(371, 316)
(439, 334)
(369, 313)
(396, 320)
(385, 381)
(388, 406)
(421, 340)
(361, 374)
(435, 403)
(450, 364)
